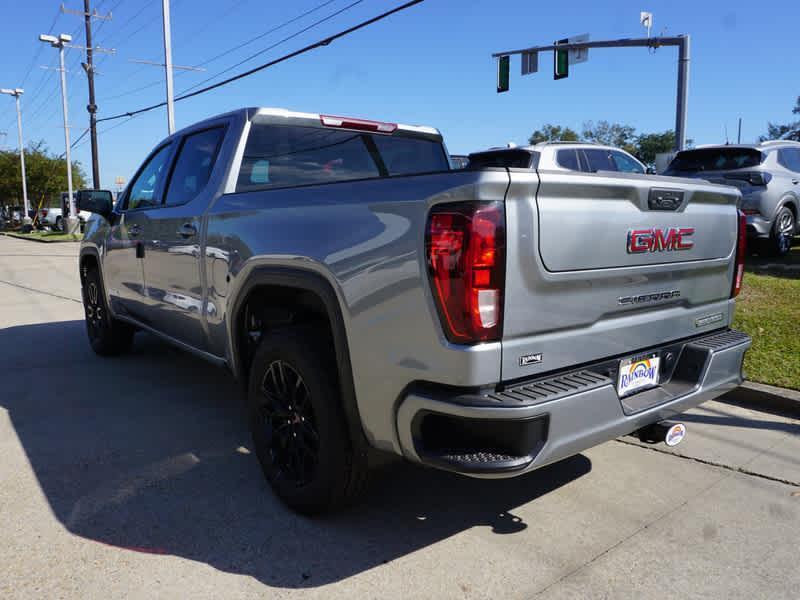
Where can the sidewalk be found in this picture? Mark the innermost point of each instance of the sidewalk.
(761, 395)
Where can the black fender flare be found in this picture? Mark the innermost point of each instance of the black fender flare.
(317, 284)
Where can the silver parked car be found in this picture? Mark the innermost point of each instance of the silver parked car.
(590, 157)
(767, 174)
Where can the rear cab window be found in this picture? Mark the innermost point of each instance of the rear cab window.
(715, 159)
(295, 155)
(513, 158)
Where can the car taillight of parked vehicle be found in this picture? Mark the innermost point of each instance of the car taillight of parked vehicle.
(465, 250)
(741, 249)
(756, 178)
(44, 212)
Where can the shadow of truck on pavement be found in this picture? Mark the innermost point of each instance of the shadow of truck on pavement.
(149, 452)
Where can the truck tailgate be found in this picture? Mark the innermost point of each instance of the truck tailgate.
(603, 264)
(584, 220)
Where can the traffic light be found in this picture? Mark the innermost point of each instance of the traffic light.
(561, 61)
(503, 69)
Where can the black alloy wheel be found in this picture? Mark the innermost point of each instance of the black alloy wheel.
(289, 431)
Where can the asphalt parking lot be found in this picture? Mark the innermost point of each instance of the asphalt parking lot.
(132, 477)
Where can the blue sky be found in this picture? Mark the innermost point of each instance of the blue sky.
(429, 65)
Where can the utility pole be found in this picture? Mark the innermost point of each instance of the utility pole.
(59, 42)
(26, 219)
(88, 66)
(168, 67)
(681, 41)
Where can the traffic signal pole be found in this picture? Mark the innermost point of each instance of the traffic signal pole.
(681, 41)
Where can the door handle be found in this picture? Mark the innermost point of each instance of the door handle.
(795, 181)
(187, 230)
(134, 230)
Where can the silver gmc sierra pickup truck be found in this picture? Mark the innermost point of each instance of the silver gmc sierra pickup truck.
(486, 321)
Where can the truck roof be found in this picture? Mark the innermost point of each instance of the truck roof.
(315, 119)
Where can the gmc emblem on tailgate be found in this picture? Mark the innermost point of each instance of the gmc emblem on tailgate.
(659, 240)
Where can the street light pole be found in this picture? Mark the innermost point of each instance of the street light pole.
(26, 220)
(58, 42)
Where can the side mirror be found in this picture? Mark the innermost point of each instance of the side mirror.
(99, 202)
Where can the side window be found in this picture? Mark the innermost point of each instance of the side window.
(568, 159)
(790, 158)
(193, 166)
(599, 160)
(142, 191)
(625, 163)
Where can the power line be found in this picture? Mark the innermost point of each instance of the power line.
(278, 43)
(159, 82)
(39, 49)
(36, 55)
(324, 42)
(266, 33)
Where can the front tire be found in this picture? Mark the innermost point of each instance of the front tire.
(107, 335)
(298, 424)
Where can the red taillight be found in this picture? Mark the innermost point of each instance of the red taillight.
(741, 249)
(359, 124)
(44, 212)
(465, 248)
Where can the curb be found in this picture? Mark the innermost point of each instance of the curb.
(761, 395)
(22, 236)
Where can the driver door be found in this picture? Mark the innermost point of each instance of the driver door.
(123, 265)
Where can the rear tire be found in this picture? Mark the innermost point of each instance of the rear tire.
(59, 224)
(107, 335)
(780, 237)
(298, 424)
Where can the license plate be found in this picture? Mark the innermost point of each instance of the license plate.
(637, 373)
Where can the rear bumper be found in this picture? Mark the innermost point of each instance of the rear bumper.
(534, 423)
(758, 226)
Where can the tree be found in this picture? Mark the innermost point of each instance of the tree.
(45, 173)
(611, 134)
(643, 146)
(553, 133)
(789, 131)
(650, 144)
